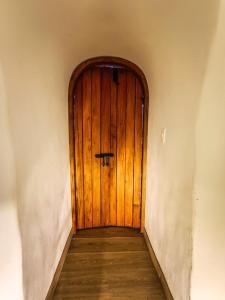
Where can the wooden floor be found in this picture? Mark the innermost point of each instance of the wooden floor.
(108, 264)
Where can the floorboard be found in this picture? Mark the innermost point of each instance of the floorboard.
(106, 264)
(108, 232)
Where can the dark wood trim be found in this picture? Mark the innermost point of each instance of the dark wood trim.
(75, 75)
(158, 267)
(59, 267)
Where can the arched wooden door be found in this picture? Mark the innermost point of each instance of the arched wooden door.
(108, 114)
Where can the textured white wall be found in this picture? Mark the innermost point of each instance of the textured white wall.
(175, 89)
(36, 88)
(10, 240)
(209, 193)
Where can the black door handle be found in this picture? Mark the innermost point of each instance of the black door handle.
(102, 155)
(105, 156)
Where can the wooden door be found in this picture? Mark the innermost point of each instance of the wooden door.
(108, 118)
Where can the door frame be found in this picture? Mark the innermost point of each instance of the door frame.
(74, 77)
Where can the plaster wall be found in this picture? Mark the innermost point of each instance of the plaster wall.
(10, 240)
(209, 189)
(36, 88)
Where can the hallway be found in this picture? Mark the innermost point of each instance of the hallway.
(112, 113)
(111, 263)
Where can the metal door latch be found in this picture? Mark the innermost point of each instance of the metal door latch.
(106, 158)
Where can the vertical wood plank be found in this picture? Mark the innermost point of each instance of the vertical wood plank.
(113, 149)
(87, 151)
(121, 136)
(144, 154)
(105, 144)
(78, 125)
(71, 105)
(137, 156)
(96, 97)
(129, 175)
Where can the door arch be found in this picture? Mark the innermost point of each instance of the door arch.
(79, 70)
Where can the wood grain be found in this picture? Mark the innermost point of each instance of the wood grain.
(72, 157)
(115, 244)
(105, 144)
(129, 172)
(109, 268)
(78, 124)
(87, 148)
(121, 149)
(107, 232)
(113, 149)
(96, 145)
(137, 155)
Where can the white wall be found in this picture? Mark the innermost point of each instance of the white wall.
(209, 194)
(10, 241)
(175, 87)
(11, 283)
(36, 88)
(171, 43)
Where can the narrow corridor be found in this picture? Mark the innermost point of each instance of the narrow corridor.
(111, 263)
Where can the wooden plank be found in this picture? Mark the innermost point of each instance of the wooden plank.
(94, 274)
(78, 153)
(138, 156)
(145, 147)
(102, 292)
(96, 98)
(113, 160)
(129, 176)
(105, 145)
(72, 158)
(115, 244)
(87, 151)
(111, 260)
(78, 125)
(106, 295)
(108, 232)
(121, 137)
(110, 273)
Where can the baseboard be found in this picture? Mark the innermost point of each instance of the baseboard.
(157, 267)
(59, 267)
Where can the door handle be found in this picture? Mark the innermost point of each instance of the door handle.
(105, 156)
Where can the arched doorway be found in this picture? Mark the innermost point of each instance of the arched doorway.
(108, 118)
